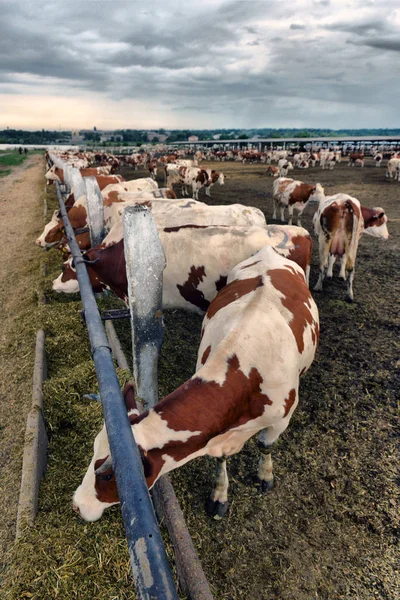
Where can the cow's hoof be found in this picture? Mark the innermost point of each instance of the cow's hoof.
(216, 509)
(349, 299)
(265, 486)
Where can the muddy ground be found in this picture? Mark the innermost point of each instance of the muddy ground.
(329, 528)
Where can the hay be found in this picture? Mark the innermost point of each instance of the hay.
(328, 528)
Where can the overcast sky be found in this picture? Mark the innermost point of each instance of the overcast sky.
(199, 64)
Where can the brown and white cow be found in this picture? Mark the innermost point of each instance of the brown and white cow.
(294, 195)
(392, 168)
(185, 176)
(54, 232)
(187, 211)
(339, 223)
(259, 336)
(284, 167)
(213, 178)
(199, 259)
(356, 158)
(56, 174)
(272, 171)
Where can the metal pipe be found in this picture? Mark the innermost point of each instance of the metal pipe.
(150, 568)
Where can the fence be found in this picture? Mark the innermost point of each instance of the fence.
(144, 254)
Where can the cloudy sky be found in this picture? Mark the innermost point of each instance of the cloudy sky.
(199, 63)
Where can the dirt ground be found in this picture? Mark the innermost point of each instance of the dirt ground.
(329, 528)
(20, 218)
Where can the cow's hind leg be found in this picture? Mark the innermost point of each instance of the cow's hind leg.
(350, 278)
(217, 504)
(331, 262)
(323, 261)
(275, 207)
(342, 273)
(266, 438)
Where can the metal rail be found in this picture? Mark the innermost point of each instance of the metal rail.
(150, 568)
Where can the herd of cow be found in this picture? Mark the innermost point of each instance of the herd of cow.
(261, 325)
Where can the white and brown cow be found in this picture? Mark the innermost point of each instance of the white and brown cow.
(272, 171)
(356, 159)
(199, 258)
(57, 174)
(339, 223)
(392, 168)
(259, 336)
(54, 232)
(284, 167)
(213, 178)
(187, 211)
(187, 176)
(294, 195)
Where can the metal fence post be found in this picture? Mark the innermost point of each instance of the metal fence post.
(145, 263)
(77, 184)
(95, 211)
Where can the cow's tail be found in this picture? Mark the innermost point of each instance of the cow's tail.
(354, 236)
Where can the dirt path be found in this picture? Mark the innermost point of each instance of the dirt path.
(21, 218)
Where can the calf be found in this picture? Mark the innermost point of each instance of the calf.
(259, 336)
(199, 259)
(294, 195)
(339, 223)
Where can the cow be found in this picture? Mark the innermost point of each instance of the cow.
(378, 159)
(272, 171)
(186, 176)
(199, 259)
(392, 168)
(260, 334)
(284, 167)
(339, 223)
(356, 158)
(213, 177)
(294, 194)
(178, 213)
(152, 166)
(54, 233)
(56, 174)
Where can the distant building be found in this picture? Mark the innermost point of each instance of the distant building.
(216, 136)
(193, 138)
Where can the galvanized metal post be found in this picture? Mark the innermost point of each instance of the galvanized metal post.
(95, 211)
(77, 184)
(145, 263)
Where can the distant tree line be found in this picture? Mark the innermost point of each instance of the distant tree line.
(139, 136)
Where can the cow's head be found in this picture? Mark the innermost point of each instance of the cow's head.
(318, 194)
(52, 233)
(98, 489)
(67, 281)
(375, 222)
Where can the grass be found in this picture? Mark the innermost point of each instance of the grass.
(12, 160)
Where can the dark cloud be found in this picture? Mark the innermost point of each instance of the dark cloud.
(253, 62)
